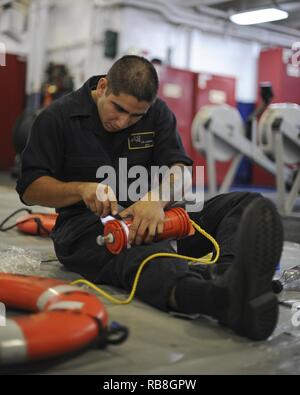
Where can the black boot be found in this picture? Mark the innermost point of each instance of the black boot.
(253, 308)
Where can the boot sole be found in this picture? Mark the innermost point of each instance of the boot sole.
(260, 248)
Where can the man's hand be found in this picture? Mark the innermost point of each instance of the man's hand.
(148, 219)
(99, 198)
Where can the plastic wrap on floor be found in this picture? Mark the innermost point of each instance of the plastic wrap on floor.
(19, 261)
(290, 255)
(289, 324)
(290, 258)
(30, 262)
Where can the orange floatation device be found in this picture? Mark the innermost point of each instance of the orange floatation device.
(177, 225)
(67, 319)
(37, 224)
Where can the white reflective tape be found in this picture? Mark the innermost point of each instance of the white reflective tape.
(13, 345)
(67, 305)
(126, 230)
(55, 291)
(107, 219)
(123, 224)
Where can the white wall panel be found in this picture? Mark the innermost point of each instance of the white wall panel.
(13, 46)
(76, 38)
(150, 34)
(69, 23)
(227, 56)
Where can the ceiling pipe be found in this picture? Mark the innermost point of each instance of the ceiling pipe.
(269, 26)
(4, 3)
(196, 3)
(207, 23)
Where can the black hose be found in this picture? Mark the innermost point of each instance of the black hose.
(41, 230)
(117, 333)
(2, 229)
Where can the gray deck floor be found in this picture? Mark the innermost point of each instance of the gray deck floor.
(163, 344)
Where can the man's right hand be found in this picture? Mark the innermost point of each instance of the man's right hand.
(99, 198)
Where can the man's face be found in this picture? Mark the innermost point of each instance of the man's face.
(118, 112)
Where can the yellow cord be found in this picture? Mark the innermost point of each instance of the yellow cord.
(205, 260)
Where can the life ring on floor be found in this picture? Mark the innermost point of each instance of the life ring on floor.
(37, 224)
(67, 319)
(31, 223)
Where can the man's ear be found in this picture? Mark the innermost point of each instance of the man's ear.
(102, 87)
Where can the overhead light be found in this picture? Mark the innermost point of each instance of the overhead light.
(259, 16)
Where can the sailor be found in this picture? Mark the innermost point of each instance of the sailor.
(118, 116)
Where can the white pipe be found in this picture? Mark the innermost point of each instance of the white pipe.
(38, 25)
(195, 3)
(180, 16)
(269, 26)
(5, 2)
(189, 49)
(213, 12)
(89, 44)
(73, 45)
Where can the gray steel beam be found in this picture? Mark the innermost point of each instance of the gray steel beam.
(196, 3)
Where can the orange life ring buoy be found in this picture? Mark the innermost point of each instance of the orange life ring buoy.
(37, 224)
(32, 223)
(67, 319)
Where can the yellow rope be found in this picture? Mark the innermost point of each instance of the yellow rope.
(205, 260)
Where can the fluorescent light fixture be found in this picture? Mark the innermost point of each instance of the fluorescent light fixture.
(259, 16)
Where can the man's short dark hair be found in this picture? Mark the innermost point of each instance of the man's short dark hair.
(134, 76)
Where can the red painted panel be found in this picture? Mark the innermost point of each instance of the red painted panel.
(274, 67)
(270, 69)
(177, 90)
(262, 178)
(12, 103)
(207, 84)
(209, 89)
(290, 84)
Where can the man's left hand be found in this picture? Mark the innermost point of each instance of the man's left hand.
(148, 219)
